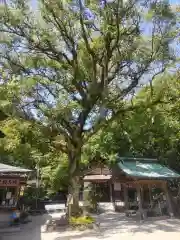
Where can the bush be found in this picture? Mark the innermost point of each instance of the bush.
(83, 220)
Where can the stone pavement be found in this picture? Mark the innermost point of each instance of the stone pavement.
(113, 226)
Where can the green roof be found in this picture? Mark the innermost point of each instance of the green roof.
(145, 168)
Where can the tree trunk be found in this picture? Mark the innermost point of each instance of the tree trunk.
(73, 197)
(74, 183)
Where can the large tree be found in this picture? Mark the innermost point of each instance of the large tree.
(72, 65)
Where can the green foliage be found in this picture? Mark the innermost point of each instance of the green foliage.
(26, 145)
(30, 194)
(55, 173)
(153, 132)
(83, 220)
(12, 150)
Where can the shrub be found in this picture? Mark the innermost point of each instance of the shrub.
(83, 220)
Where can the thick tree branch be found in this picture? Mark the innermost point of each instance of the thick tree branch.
(85, 38)
(140, 107)
(49, 50)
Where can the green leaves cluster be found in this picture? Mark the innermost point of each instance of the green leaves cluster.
(54, 175)
(151, 133)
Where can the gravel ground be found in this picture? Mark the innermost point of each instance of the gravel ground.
(113, 226)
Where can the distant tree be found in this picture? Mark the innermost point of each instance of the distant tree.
(152, 133)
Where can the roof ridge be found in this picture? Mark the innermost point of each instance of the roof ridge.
(10, 168)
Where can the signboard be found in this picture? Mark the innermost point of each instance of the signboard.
(9, 182)
(8, 195)
(70, 199)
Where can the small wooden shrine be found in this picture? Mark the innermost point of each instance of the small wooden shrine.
(12, 181)
(135, 185)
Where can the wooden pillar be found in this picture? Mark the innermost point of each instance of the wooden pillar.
(111, 191)
(86, 201)
(126, 197)
(168, 199)
(17, 195)
(139, 200)
(150, 194)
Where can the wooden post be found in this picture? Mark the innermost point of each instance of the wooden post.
(139, 201)
(111, 191)
(17, 195)
(150, 194)
(125, 197)
(86, 200)
(168, 199)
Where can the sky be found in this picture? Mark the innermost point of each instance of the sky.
(174, 1)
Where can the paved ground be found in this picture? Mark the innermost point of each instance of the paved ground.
(113, 226)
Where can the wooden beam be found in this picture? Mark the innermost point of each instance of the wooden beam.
(149, 181)
(144, 182)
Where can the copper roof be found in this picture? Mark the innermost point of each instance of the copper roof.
(146, 168)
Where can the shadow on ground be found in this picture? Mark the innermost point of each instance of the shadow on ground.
(111, 225)
(29, 231)
(114, 223)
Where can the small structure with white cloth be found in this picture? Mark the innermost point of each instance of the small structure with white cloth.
(57, 214)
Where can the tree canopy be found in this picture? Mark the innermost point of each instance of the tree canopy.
(152, 133)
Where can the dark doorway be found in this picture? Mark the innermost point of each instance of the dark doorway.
(103, 191)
